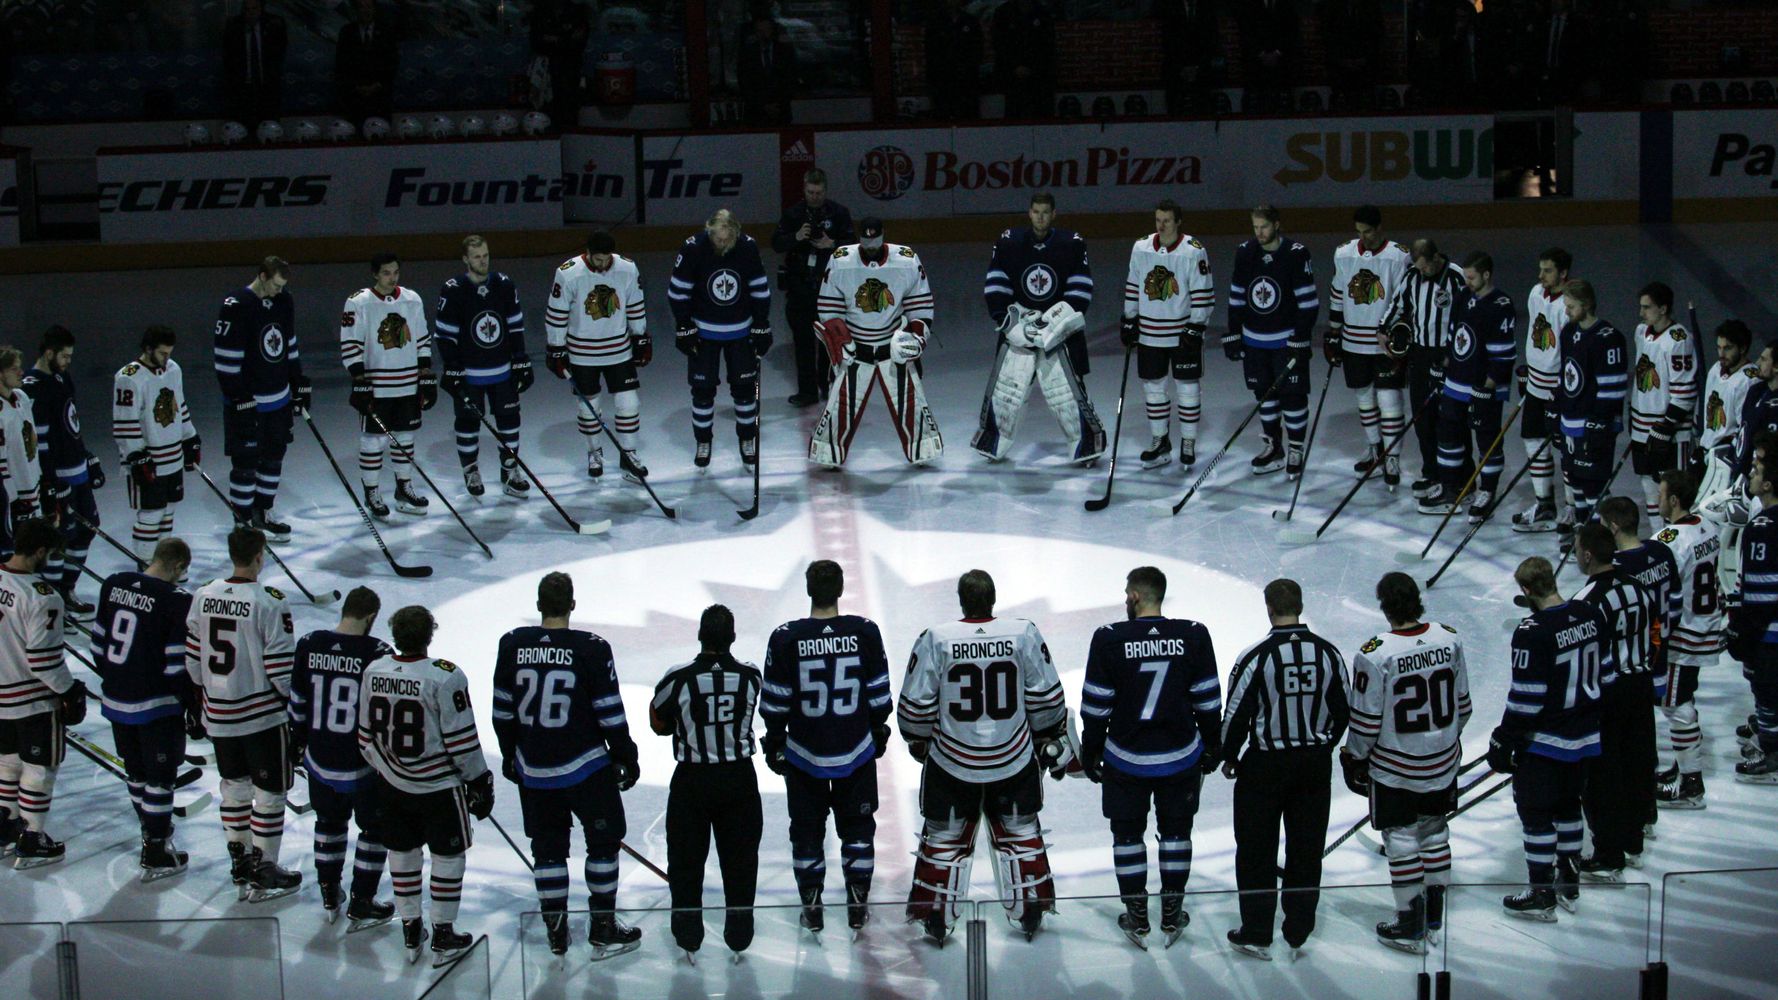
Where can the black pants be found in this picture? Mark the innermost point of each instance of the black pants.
(499, 402)
(812, 374)
(1426, 373)
(719, 799)
(1619, 797)
(704, 373)
(1291, 786)
(853, 802)
(1465, 430)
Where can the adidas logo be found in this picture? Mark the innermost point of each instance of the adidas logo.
(544, 640)
(797, 153)
(1153, 630)
(827, 630)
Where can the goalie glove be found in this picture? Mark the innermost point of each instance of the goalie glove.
(836, 336)
(906, 345)
(1357, 773)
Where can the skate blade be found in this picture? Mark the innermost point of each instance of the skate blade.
(1174, 936)
(1410, 558)
(1755, 779)
(1254, 951)
(1139, 940)
(1570, 905)
(601, 952)
(415, 511)
(363, 924)
(691, 957)
(413, 956)
(1411, 947)
(440, 959)
(21, 863)
(1681, 803)
(241, 892)
(1536, 916)
(267, 895)
(156, 874)
(331, 915)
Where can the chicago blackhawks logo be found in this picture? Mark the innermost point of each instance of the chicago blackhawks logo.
(392, 332)
(1716, 415)
(1262, 297)
(873, 296)
(1543, 336)
(1160, 285)
(271, 342)
(166, 408)
(602, 302)
(1648, 377)
(1365, 288)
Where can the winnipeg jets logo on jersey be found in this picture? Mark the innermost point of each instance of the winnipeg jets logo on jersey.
(725, 286)
(1463, 342)
(1262, 295)
(1571, 376)
(486, 327)
(71, 417)
(1039, 281)
(271, 342)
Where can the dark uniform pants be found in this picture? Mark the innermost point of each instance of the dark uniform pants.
(1292, 786)
(812, 374)
(255, 444)
(704, 373)
(1619, 795)
(720, 800)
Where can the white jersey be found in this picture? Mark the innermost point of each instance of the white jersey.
(978, 689)
(1663, 381)
(240, 647)
(1544, 318)
(148, 414)
(415, 724)
(387, 337)
(595, 313)
(875, 297)
(1697, 548)
(1724, 392)
(1364, 289)
(32, 671)
(20, 439)
(1410, 702)
(1167, 287)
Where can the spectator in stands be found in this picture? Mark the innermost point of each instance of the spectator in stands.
(1269, 49)
(559, 32)
(766, 69)
(1508, 42)
(1025, 57)
(253, 46)
(1559, 52)
(954, 61)
(1351, 30)
(364, 63)
(1191, 51)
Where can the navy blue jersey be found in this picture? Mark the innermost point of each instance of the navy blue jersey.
(324, 703)
(558, 713)
(1036, 273)
(1595, 379)
(1561, 659)
(826, 685)
(1151, 697)
(725, 296)
(480, 328)
(1273, 302)
(255, 351)
(1759, 415)
(61, 452)
(1758, 612)
(139, 648)
(1482, 346)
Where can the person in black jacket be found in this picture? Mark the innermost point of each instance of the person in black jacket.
(954, 62)
(1025, 57)
(766, 73)
(559, 32)
(806, 235)
(1191, 46)
(253, 47)
(364, 64)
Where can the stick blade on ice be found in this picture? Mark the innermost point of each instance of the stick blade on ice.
(1296, 536)
(1408, 558)
(594, 527)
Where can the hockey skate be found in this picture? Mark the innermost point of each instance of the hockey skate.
(555, 929)
(1134, 922)
(1437, 503)
(1407, 932)
(160, 859)
(749, 452)
(1751, 751)
(633, 469)
(240, 869)
(701, 457)
(1567, 886)
(1369, 462)
(1435, 912)
(10, 828)
(373, 501)
(1594, 870)
(75, 608)
(413, 938)
(595, 462)
(1293, 463)
(1031, 921)
(1762, 770)
(1539, 517)
(611, 937)
(1188, 453)
(857, 913)
(1269, 460)
(1480, 502)
(271, 882)
(935, 927)
(811, 918)
(333, 899)
(1392, 472)
(513, 482)
(1252, 949)
(448, 944)
(1533, 904)
(406, 500)
(365, 912)
(274, 531)
(1174, 919)
(36, 849)
(1425, 487)
(1159, 453)
(472, 481)
(1685, 791)
(1746, 734)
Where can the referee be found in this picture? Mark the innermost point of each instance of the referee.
(1432, 286)
(1287, 695)
(707, 707)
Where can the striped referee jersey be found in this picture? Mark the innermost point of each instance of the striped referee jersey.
(1286, 692)
(1426, 304)
(707, 705)
(1629, 609)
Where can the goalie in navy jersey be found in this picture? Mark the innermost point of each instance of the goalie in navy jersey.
(825, 702)
(481, 341)
(1273, 304)
(1151, 708)
(263, 386)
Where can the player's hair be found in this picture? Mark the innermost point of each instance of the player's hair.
(716, 628)
(555, 595)
(378, 260)
(1267, 211)
(472, 241)
(1425, 248)
(1284, 597)
(1732, 330)
(412, 629)
(1370, 215)
(1148, 581)
(1772, 346)
(1559, 257)
(9, 356)
(975, 594)
(173, 552)
(245, 544)
(273, 265)
(1399, 597)
(1659, 293)
(1479, 261)
(158, 335)
(1621, 514)
(1044, 198)
(58, 337)
(1596, 541)
(1171, 207)
(1536, 576)
(1581, 290)
(1765, 451)
(825, 582)
(1682, 487)
(723, 218)
(361, 603)
(35, 534)
(815, 175)
(601, 241)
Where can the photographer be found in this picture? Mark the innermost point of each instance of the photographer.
(806, 235)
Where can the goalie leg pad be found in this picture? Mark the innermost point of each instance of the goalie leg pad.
(1066, 395)
(1004, 400)
(1021, 865)
(941, 868)
(905, 394)
(832, 439)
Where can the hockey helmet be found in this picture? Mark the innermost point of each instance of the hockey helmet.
(475, 125)
(341, 130)
(505, 123)
(307, 131)
(197, 134)
(536, 123)
(271, 130)
(233, 132)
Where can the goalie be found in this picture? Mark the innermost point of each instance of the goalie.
(874, 314)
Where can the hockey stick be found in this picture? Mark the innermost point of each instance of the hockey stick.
(1308, 446)
(95, 529)
(1100, 503)
(1356, 827)
(414, 461)
(1477, 526)
(1300, 538)
(759, 417)
(1594, 516)
(400, 570)
(318, 601)
(590, 528)
(1463, 493)
(1230, 443)
(1376, 846)
(112, 765)
(621, 450)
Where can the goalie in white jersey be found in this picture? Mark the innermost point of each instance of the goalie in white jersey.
(1663, 393)
(978, 694)
(154, 435)
(597, 325)
(1369, 273)
(1168, 295)
(386, 347)
(875, 313)
(1726, 386)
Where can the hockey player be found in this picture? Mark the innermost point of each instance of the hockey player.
(1561, 659)
(1038, 282)
(826, 705)
(1696, 639)
(1759, 410)
(1539, 379)
(1663, 393)
(1368, 274)
(1726, 387)
(1754, 624)
(263, 386)
(416, 729)
(1410, 702)
(597, 326)
(722, 303)
(876, 313)
(1417, 334)
(1168, 296)
(1272, 309)
(981, 709)
(1590, 401)
(155, 436)
(39, 697)
(69, 469)
(1477, 379)
(239, 647)
(1652, 566)
(21, 469)
(387, 349)
(559, 717)
(139, 654)
(1151, 714)
(481, 344)
(325, 686)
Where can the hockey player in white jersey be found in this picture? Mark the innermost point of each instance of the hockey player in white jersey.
(1539, 378)
(1369, 272)
(597, 325)
(20, 443)
(875, 314)
(1720, 502)
(1697, 639)
(1663, 393)
(240, 646)
(417, 731)
(982, 709)
(1168, 295)
(386, 347)
(155, 437)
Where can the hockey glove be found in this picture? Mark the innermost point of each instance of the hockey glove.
(686, 339)
(905, 346)
(95, 473)
(194, 722)
(298, 740)
(761, 339)
(1129, 331)
(141, 469)
(1330, 346)
(1232, 347)
(1502, 757)
(1195, 331)
(451, 381)
(879, 735)
(509, 768)
(428, 388)
(302, 393)
(1231, 769)
(1052, 755)
(627, 773)
(521, 373)
(361, 392)
(556, 360)
(773, 745)
(21, 509)
(1520, 374)
(1357, 773)
(918, 749)
(194, 453)
(1399, 341)
(479, 796)
(1092, 756)
(73, 704)
(641, 349)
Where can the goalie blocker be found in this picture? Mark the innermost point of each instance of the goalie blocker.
(1032, 348)
(857, 370)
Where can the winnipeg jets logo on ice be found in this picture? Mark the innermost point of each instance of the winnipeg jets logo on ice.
(1571, 377)
(1039, 282)
(1263, 296)
(725, 286)
(271, 342)
(487, 329)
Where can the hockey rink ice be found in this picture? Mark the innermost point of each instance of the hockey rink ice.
(904, 535)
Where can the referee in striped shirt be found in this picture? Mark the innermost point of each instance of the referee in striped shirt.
(1433, 287)
(1287, 696)
(707, 707)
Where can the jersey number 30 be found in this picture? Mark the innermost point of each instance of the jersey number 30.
(990, 690)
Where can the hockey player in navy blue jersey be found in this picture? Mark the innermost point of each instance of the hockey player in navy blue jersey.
(1753, 625)
(70, 472)
(721, 301)
(481, 342)
(1562, 659)
(1759, 410)
(324, 688)
(260, 372)
(1273, 305)
(825, 702)
(1478, 376)
(1151, 711)
(1590, 400)
(565, 742)
(139, 653)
